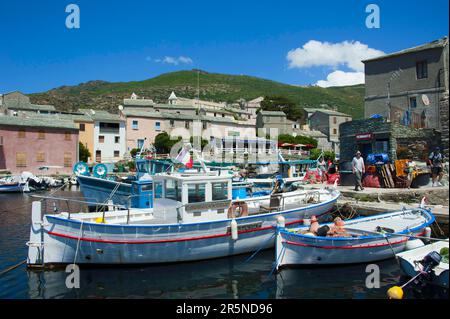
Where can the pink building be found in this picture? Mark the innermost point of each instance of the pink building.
(30, 143)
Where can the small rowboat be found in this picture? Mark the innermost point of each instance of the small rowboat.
(364, 244)
(410, 263)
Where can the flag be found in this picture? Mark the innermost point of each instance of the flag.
(185, 157)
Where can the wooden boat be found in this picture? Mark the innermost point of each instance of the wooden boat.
(13, 187)
(365, 242)
(193, 217)
(410, 262)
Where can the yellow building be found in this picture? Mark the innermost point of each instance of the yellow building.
(86, 133)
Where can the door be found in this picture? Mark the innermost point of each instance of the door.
(98, 156)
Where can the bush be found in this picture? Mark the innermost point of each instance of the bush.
(299, 139)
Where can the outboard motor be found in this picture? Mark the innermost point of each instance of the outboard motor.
(430, 261)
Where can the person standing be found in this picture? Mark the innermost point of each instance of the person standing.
(436, 161)
(322, 170)
(358, 170)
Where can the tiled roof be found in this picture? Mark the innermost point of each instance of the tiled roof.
(431, 45)
(101, 115)
(174, 116)
(37, 121)
(331, 112)
(272, 113)
(16, 105)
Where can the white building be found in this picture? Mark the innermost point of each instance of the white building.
(109, 136)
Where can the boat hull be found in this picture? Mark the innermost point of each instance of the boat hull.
(69, 241)
(12, 188)
(298, 249)
(99, 190)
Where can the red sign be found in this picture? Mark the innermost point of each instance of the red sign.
(364, 136)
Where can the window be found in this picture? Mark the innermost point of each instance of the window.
(21, 159)
(116, 153)
(1, 140)
(82, 127)
(172, 123)
(223, 115)
(21, 134)
(205, 125)
(67, 136)
(117, 139)
(186, 124)
(40, 157)
(109, 128)
(157, 126)
(196, 193)
(219, 191)
(41, 135)
(140, 143)
(172, 190)
(101, 139)
(67, 159)
(413, 102)
(134, 125)
(158, 189)
(98, 156)
(215, 114)
(334, 120)
(421, 69)
(334, 131)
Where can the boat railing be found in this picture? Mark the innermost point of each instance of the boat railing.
(308, 194)
(99, 207)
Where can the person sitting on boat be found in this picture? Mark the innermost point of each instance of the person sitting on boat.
(338, 229)
(314, 225)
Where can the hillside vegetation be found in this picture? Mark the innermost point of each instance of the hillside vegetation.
(213, 86)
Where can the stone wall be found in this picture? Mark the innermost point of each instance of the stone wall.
(404, 142)
(443, 109)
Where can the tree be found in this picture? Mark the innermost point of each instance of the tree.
(163, 143)
(280, 103)
(83, 152)
(315, 153)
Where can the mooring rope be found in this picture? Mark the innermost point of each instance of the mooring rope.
(12, 267)
(258, 250)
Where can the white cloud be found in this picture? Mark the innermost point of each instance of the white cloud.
(341, 78)
(171, 60)
(346, 53)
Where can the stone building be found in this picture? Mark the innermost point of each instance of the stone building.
(328, 122)
(377, 135)
(410, 86)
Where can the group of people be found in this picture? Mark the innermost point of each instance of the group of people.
(337, 229)
(435, 161)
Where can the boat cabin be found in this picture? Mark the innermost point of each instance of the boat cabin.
(296, 168)
(196, 197)
(151, 167)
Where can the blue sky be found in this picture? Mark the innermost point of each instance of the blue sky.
(136, 40)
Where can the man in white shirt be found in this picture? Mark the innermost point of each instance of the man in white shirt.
(358, 169)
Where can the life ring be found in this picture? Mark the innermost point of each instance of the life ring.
(243, 209)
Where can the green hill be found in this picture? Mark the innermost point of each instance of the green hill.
(213, 86)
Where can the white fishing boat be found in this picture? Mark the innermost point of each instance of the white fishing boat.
(368, 239)
(189, 217)
(411, 266)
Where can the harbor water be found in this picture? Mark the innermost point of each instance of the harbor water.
(234, 277)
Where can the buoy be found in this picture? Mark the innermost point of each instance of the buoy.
(100, 220)
(428, 233)
(234, 229)
(306, 221)
(281, 221)
(395, 292)
(309, 234)
(414, 243)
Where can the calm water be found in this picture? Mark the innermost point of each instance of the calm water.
(220, 278)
